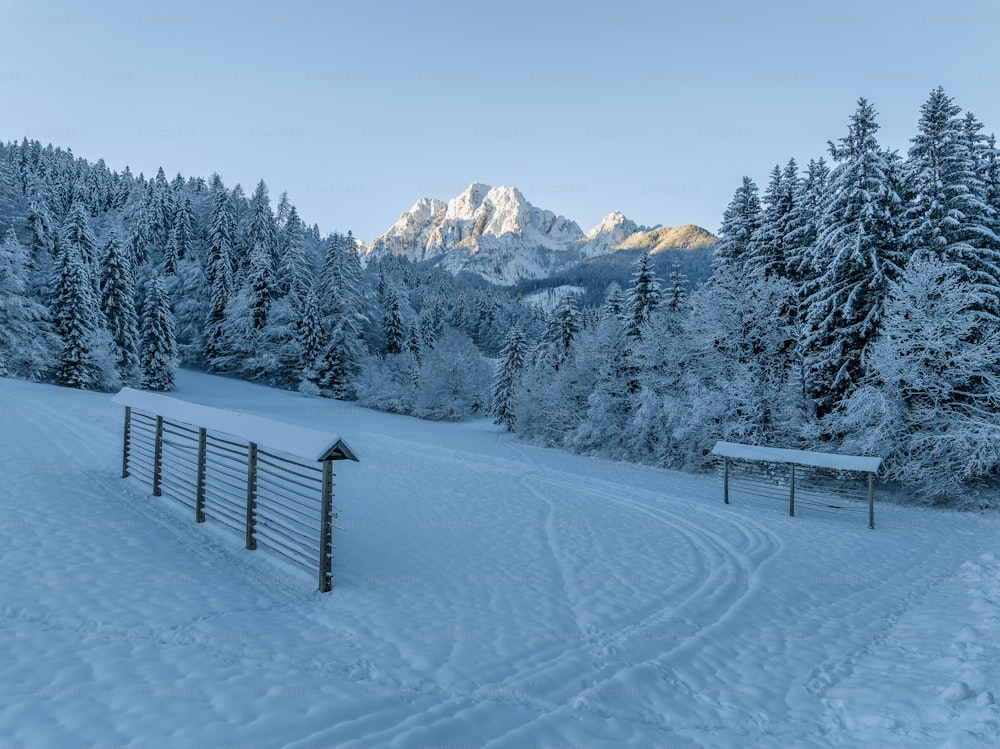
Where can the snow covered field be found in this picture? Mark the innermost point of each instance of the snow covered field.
(486, 593)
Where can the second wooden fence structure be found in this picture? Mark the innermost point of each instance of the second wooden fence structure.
(821, 482)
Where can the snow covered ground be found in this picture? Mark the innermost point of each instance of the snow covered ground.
(486, 593)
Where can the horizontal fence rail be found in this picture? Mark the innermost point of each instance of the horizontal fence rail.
(846, 487)
(277, 501)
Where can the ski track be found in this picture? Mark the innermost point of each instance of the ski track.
(687, 666)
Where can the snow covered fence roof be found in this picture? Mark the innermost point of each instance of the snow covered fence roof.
(736, 450)
(303, 442)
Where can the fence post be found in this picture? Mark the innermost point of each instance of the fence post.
(158, 456)
(251, 495)
(199, 497)
(791, 494)
(326, 529)
(725, 480)
(126, 440)
(871, 501)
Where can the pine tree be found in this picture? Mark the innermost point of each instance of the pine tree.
(770, 254)
(562, 327)
(137, 222)
(859, 248)
(642, 299)
(802, 266)
(416, 349)
(311, 342)
(159, 209)
(222, 227)
(739, 222)
(27, 345)
(191, 296)
(176, 185)
(121, 190)
(614, 304)
(118, 306)
(432, 321)
(76, 231)
(158, 348)
(41, 222)
(261, 284)
(936, 154)
(413, 342)
(262, 230)
(262, 244)
(459, 312)
(988, 158)
(241, 210)
(12, 194)
(283, 212)
(767, 253)
(340, 364)
(294, 271)
(77, 322)
(341, 302)
(393, 327)
(170, 255)
(340, 288)
(948, 212)
(240, 342)
(182, 233)
(677, 296)
(332, 272)
(503, 407)
(278, 360)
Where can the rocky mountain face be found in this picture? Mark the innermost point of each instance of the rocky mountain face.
(496, 233)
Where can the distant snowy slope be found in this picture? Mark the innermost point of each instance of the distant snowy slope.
(548, 299)
(663, 238)
(616, 233)
(486, 593)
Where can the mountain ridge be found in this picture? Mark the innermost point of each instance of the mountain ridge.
(496, 233)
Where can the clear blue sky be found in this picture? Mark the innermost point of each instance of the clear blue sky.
(358, 109)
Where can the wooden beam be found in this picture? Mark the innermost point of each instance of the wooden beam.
(199, 498)
(251, 541)
(791, 493)
(871, 501)
(158, 457)
(326, 529)
(127, 438)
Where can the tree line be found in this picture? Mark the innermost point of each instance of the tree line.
(853, 307)
(111, 279)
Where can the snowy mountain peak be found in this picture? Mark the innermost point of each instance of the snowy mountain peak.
(494, 210)
(492, 231)
(613, 222)
(466, 204)
(609, 235)
(423, 209)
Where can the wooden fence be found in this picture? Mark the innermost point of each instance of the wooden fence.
(820, 482)
(230, 468)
